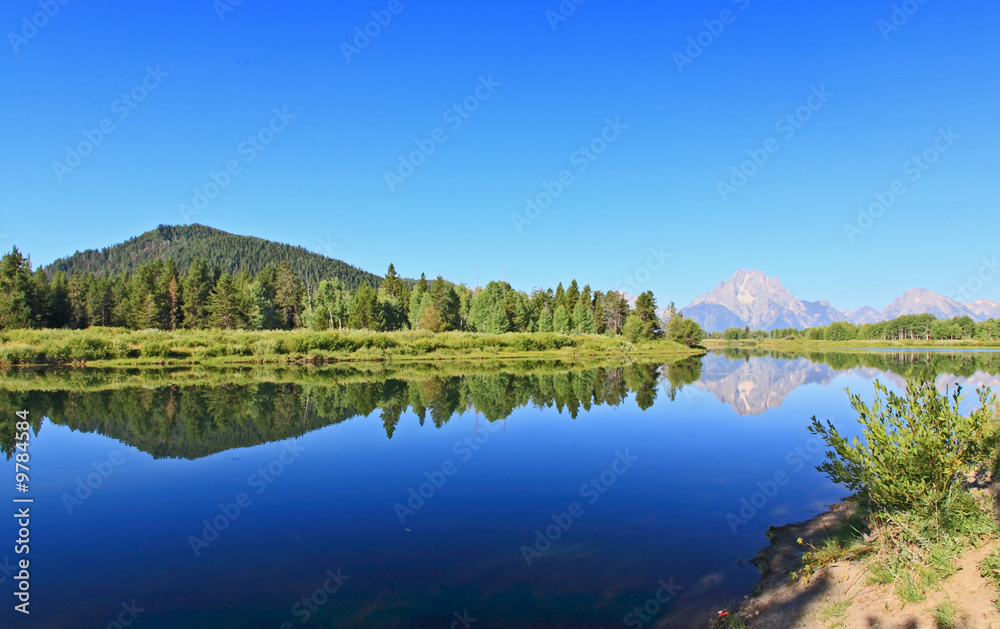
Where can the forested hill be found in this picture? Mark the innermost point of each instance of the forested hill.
(230, 252)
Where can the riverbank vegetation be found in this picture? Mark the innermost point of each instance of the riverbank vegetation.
(920, 470)
(162, 295)
(161, 311)
(111, 346)
(911, 329)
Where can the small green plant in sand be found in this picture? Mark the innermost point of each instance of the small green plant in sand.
(945, 614)
(834, 610)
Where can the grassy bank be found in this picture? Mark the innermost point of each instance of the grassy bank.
(115, 378)
(120, 347)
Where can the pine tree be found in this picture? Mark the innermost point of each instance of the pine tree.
(599, 322)
(545, 321)
(560, 320)
(60, 310)
(445, 299)
(226, 304)
(38, 298)
(16, 291)
(417, 302)
(365, 313)
(645, 309)
(583, 318)
(197, 289)
(289, 292)
(616, 311)
(572, 296)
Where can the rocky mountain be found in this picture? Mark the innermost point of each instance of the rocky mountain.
(921, 301)
(985, 308)
(865, 314)
(750, 298)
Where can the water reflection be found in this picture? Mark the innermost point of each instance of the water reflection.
(194, 421)
(158, 412)
(751, 382)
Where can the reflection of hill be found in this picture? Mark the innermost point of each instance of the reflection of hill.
(196, 420)
(753, 385)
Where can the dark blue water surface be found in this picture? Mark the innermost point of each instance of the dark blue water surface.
(509, 531)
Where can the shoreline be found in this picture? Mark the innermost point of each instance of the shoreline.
(843, 593)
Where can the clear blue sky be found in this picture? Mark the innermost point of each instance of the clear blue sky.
(321, 180)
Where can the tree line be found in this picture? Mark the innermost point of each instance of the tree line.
(159, 295)
(921, 327)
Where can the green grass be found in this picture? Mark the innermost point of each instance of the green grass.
(116, 346)
(915, 553)
(835, 610)
(989, 568)
(945, 615)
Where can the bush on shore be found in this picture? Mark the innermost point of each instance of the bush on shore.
(915, 510)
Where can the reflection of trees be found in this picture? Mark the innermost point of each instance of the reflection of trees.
(681, 374)
(194, 421)
(908, 364)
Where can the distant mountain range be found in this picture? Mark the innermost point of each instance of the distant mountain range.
(750, 298)
(229, 252)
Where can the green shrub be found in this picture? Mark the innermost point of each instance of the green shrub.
(155, 349)
(914, 446)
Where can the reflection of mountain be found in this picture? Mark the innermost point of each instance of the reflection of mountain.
(753, 385)
(752, 381)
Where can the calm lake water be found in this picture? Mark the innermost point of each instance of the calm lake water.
(536, 495)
